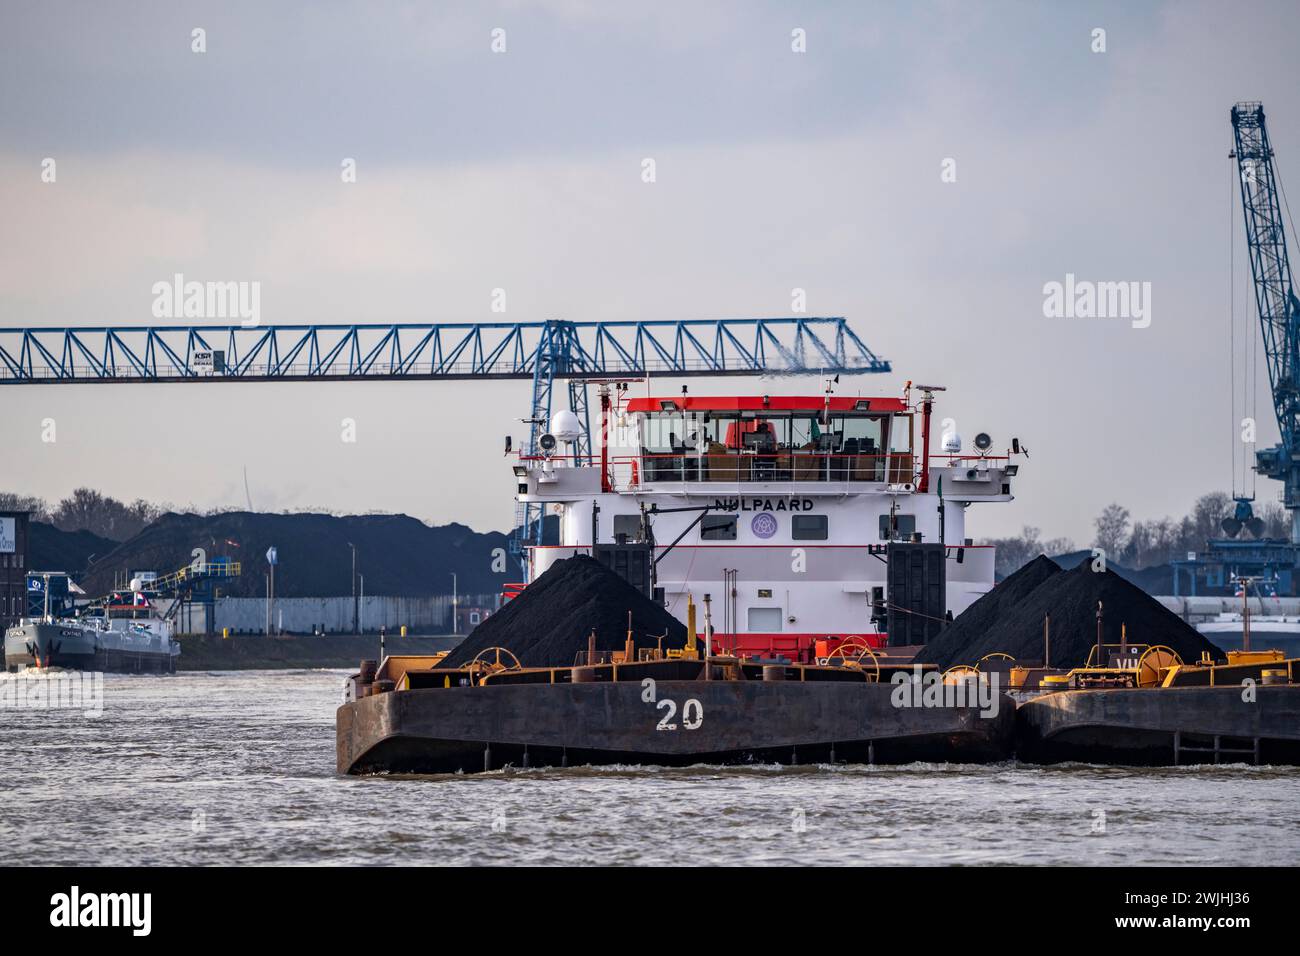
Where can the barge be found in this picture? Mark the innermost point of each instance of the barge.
(832, 550)
(1244, 711)
(408, 718)
(825, 543)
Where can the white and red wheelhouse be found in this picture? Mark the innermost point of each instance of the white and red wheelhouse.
(802, 495)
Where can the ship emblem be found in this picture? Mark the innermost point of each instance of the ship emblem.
(763, 525)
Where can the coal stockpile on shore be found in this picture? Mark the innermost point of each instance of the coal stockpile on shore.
(396, 554)
(548, 624)
(51, 549)
(1070, 597)
(970, 628)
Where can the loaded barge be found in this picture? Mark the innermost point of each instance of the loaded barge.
(828, 539)
(408, 718)
(1148, 708)
(832, 550)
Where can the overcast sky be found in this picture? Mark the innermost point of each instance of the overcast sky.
(522, 170)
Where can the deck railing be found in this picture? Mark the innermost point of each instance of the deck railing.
(784, 465)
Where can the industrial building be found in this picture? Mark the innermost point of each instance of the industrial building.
(13, 555)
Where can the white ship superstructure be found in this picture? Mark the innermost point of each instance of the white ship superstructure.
(779, 508)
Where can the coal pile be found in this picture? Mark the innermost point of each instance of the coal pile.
(1070, 597)
(396, 554)
(548, 624)
(73, 551)
(971, 626)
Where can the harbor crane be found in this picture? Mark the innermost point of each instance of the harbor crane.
(1269, 565)
(1276, 302)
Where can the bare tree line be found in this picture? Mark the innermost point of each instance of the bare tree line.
(1143, 544)
(88, 510)
(1146, 543)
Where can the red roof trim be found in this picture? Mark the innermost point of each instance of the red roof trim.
(775, 403)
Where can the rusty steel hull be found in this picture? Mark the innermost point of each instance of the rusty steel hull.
(446, 730)
(1162, 727)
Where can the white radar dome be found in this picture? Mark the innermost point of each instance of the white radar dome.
(951, 443)
(565, 425)
(137, 584)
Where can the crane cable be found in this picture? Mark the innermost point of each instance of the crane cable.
(1232, 323)
(1285, 204)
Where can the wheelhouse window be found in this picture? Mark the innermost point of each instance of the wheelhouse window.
(669, 441)
(901, 462)
(773, 445)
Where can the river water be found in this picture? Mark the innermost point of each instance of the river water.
(238, 768)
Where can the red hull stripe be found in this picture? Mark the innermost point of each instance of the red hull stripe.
(754, 643)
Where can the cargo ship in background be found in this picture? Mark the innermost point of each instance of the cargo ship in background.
(122, 633)
(1234, 630)
(803, 521)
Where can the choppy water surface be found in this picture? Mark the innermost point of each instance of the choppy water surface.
(238, 767)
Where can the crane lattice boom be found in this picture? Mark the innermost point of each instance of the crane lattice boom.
(506, 350)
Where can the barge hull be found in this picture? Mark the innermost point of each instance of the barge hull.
(1174, 725)
(73, 649)
(103, 661)
(469, 729)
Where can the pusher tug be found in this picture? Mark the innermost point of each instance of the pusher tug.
(823, 548)
(787, 505)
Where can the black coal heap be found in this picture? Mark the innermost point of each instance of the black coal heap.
(973, 623)
(548, 624)
(1011, 620)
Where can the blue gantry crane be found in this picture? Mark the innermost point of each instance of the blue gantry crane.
(544, 353)
(451, 350)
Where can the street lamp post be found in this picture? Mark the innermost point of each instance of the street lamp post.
(356, 605)
(271, 560)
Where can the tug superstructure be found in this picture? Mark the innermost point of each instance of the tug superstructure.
(780, 509)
